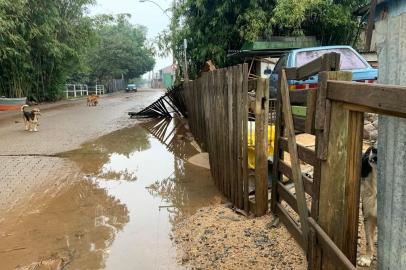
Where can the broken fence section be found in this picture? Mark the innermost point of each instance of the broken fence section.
(172, 102)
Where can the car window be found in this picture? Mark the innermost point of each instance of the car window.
(348, 60)
(281, 64)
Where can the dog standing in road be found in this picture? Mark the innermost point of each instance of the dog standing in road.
(92, 100)
(31, 118)
(369, 202)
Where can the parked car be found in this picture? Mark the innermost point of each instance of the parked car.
(350, 61)
(131, 88)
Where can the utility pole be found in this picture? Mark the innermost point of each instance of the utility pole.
(186, 72)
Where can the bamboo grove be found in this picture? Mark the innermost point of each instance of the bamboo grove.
(46, 43)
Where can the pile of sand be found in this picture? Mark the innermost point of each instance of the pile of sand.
(218, 238)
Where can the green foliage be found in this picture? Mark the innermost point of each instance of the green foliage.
(45, 43)
(120, 50)
(40, 44)
(213, 28)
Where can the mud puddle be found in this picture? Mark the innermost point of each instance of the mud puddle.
(118, 211)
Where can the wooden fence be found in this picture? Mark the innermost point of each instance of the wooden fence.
(217, 108)
(328, 204)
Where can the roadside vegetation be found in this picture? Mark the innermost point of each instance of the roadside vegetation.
(214, 28)
(45, 44)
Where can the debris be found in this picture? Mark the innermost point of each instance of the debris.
(201, 160)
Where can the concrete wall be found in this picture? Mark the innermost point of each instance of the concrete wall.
(391, 46)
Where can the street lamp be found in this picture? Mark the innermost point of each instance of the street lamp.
(163, 10)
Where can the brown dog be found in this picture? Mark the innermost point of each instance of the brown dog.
(31, 118)
(92, 100)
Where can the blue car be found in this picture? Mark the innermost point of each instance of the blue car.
(350, 60)
(131, 88)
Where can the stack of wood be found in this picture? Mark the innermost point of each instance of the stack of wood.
(371, 127)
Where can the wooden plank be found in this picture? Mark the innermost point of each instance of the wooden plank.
(222, 129)
(230, 131)
(294, 159)
(305, 154)
(287, 171)
(291, 73)
(234, 136)
(299, 96)
(326, 62)
(330, 249)
(278, 152)
(299, 124)
(290, 224)
(339, 190)
(239, 134)
(311, 112)
(287, 196)
(322, 119)
(386, 98)
(261, 147)
(244, 105)
(352, 181)
(314, 247)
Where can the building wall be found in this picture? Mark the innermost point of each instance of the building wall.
(391, 47)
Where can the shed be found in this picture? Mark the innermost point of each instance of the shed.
(263, 55)
(390, 25)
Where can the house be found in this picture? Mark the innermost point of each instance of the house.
(164, 78)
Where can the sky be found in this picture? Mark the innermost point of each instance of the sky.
(147, 14)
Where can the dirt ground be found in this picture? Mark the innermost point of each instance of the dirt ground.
(66, 125)
(26, 158)
(218, 238)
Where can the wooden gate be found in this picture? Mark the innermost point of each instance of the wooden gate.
(322, 212)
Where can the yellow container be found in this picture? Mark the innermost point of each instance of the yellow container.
(251, 143)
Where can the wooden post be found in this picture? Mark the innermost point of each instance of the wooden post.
(339, 189)
(244, 160)
(261, 147)
(370, 26)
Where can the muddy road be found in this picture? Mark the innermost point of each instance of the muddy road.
(94, 189)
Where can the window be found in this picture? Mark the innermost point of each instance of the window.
(281, 64)
(349, 60)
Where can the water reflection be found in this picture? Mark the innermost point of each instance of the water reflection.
(138, 187)
(93, 158)
(120, 216)
(76, 225)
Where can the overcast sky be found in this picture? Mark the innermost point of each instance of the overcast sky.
(146, 14)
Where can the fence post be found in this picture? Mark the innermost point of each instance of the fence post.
(340, 171)
(261, 147)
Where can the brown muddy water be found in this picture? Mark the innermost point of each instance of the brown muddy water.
(118, 211)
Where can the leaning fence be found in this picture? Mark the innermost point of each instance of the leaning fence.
(218, 113)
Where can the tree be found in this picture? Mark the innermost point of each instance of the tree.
(41, 45)
(44, 44)
(120, 49)
(213, 28)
